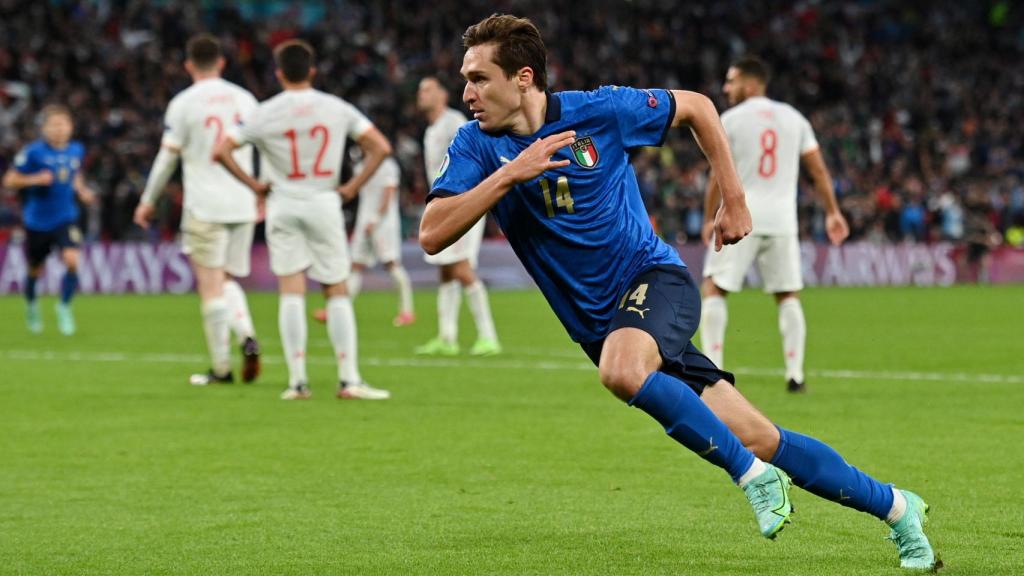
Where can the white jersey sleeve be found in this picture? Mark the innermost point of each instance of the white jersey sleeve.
(301, 136)
(767, 139)
(436, 140)
(196, 121)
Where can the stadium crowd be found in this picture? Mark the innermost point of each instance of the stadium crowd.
(914, 104)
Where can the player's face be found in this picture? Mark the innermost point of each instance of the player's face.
(429, 95)
(734, 87)
(57, 129)
(494, 99)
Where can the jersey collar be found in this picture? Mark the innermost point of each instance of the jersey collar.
(554, 111)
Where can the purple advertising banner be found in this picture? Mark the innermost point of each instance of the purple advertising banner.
(137, 268)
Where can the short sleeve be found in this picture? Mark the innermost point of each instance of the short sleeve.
(357, 122)
(25, 161)
(808, 143)
(643, 116)
(175, 131)
(460, 171)
(245, 130)
(391, 173)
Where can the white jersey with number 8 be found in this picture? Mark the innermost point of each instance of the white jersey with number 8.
(767, 139)
(301, 137)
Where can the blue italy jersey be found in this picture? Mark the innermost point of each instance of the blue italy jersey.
(581, 231)
(49, 207)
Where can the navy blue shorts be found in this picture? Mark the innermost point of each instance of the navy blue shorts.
(664, 301)
(39, 243)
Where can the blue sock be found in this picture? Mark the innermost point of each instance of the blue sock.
(817, 468)
(30, 288)
(691, 423)
(68, 286)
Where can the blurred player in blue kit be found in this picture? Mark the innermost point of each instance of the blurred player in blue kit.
(49, 172)
(553, 168)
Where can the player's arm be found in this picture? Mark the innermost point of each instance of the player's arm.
(835, 223)
(223, 154)
(446, 219)
(712, 201)
(732, 220)
(84, 192)
(161, 171)
(376, 147)
(16, 180)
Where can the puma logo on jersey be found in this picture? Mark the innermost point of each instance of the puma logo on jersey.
(638, 311)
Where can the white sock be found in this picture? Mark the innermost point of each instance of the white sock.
(218, 335)
(794, 335)
(756, 469)
(449, 299)
(476, 297)
(899, 507)
(713, 318)
(238, 307)
(341, 327)
(291, 320)
(355, 284)
(401, 278)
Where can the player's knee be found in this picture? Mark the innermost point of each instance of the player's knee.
(763, 442)
(623, 380)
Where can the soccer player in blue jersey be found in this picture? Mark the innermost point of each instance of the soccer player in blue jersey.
(49, 170)
(554, 170)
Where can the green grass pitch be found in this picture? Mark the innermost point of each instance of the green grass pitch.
(110, 463)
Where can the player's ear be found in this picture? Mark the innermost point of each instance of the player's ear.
(220, 64)
(312, 73)
(524, 77)
(279, 76)
(190, 67)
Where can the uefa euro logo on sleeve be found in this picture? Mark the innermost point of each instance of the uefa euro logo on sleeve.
(585, 152)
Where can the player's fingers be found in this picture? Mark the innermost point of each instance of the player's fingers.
(718, 238)
(556, 164)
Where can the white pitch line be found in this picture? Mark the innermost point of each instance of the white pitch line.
(497, 363)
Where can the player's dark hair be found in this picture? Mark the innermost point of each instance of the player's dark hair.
(753, 67)
(295, 58)
(53, 110)
(204, 51)
(517, 45)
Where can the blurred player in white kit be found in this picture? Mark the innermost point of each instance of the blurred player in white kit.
(457, 262)
(301, 136)
(219, 213)
(769, 141)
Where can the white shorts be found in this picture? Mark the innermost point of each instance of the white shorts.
(778, 261)
(465, 248)
(308, 235)
(218, 245)
(384, 245)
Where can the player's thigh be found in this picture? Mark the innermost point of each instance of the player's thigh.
(727, 268)
(779, 264)
(387, 239)
(752, 427)
(285, 241)
(38, 244)
(238, 254)
(325, 240)
(69, 240)
(205, 243)
(209, 281)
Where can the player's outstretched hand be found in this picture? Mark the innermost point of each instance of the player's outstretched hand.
(143, 214)
(86, 195)
(836, 228)
(732, 224)
(536, 159)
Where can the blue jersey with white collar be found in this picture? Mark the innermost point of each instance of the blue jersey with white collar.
(581, 231)
(49, 207)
